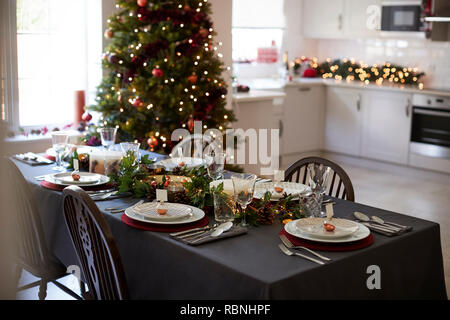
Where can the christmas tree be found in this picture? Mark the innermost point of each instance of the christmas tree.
(162, 72)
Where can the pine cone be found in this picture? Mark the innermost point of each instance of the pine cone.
(265, 216)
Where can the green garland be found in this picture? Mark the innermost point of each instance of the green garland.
(132, 178)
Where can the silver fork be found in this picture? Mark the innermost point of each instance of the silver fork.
(288, 252)
(290, 245)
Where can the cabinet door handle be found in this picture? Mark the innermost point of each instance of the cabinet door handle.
(340, 21)
(303, 89)
(408, 105)
(358, 104)
(280, 126)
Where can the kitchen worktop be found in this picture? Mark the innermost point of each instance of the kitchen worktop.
(274, 85)
(257, 95)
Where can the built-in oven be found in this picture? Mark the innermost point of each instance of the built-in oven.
(401, 16)
(430, 134)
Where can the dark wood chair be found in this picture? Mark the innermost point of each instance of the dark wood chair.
(31, 249)
(339, 186)
(96, 248)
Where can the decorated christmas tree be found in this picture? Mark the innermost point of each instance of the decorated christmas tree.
(162, 71)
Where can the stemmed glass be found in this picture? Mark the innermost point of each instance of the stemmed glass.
(318, 175)
(59, 141)
(244, 187)
(215, 164)
(108, 136)
(131, 148)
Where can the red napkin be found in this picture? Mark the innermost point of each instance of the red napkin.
(58, 187)
(322, 246)
(164, 227)
(49, 157)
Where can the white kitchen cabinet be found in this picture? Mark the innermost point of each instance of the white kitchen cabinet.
(302, 121)
(323, 18)
(386, 126)
(362, 18)
(343, 120)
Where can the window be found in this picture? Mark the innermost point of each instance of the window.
(256, 24)
(56, 49)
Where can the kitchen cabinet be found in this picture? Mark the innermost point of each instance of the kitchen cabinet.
(302, 121)
(343, 120)
(323, 18)
(341, 18)
(386, 126)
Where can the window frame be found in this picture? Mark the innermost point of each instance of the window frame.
(9, 61)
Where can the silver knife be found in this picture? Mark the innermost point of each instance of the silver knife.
(176, 234)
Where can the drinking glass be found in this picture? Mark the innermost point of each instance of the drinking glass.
(215, 164)
(131, 148)
(108, 136)
(244, 187)
(59, 141)
(309, 203)
(318, 175)
(224, 204)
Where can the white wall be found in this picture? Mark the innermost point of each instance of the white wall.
(431, 57)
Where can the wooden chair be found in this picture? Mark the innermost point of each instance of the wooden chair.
(339, 186)
(95, 246)
(32, 252)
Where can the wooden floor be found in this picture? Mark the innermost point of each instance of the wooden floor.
(419, 195)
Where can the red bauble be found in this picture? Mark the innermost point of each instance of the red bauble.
(109, 33)
(137, 103)
(190, 123)
(142, 3)
(152, 142)
(192, 79)
(157, 72)
(310, 73)
(86, 117)
(203, 32)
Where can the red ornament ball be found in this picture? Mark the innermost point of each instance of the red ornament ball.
(142, 3)
(192, 79)
(310, 73)
(203, 32)
(157, 72)
(86, 117)
(152, 142)
(137, 103)
(109, 33)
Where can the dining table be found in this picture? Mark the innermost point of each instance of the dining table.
(251, 266)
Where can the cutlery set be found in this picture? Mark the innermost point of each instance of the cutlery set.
(286, 245)
(378, 225)
(209, 233)
(122, 208)
(32, 159)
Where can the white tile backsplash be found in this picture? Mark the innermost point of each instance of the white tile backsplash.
(431, 57)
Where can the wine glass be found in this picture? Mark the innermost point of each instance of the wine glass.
(318, 175)
(131, 148)
(244, 187)
(108, 136)
(59, 141)
(215, 164)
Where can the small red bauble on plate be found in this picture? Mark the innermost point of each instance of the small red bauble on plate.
(157, 72)
(142, 3)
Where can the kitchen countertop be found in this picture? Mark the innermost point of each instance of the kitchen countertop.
(257, 95)
(278, 85)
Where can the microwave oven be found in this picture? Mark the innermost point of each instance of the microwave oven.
(401, 16)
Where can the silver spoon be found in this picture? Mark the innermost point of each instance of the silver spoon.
(219, 230)
(361, 216)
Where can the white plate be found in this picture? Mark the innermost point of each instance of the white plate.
(63, 180)
(362, 233)
(197, 214)
(85, 178)
(288, 187)
(175, 211)
(189, 162)
(313, 227)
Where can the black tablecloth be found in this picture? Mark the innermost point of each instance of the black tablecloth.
(252, 266)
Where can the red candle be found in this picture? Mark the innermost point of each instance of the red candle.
(80, 102)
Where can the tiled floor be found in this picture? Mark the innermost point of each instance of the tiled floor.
(423, 198)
